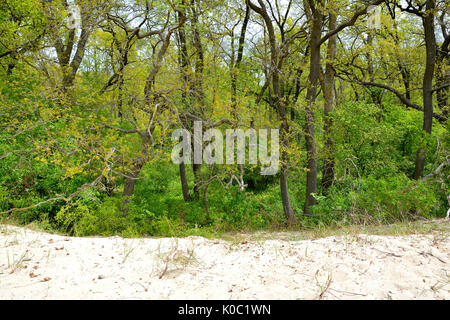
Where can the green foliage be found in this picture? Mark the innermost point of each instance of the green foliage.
(83, 220)
(371, 200)
(56, 140)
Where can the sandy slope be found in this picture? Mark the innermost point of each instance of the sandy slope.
(36, 265)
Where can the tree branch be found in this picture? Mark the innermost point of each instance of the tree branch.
(350, 22)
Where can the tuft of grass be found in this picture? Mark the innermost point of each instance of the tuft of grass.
(174, 259)
(127, 251)
(17, 264)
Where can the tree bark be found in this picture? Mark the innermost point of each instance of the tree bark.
(314, 72)
(184, 183)
(197, 88)
(430, 45)
(443, 77)
(183, 57)
(328, 92)
(236, 65)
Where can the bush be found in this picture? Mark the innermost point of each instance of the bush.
(83, 220)
(395, 198)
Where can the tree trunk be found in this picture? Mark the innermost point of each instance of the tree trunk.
(430, 44)
(314, 71)
(183, 59)
(281, 108)
(328, 92)
(128, 187)
(196, 168)
(442, 78)
(184, 183)
(235, 66)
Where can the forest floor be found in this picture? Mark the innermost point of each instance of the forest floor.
(38, 265)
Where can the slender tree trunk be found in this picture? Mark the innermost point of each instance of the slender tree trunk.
(184, 183)
(314, 71)
(198, 88)
(405, 72)
(135, 170)
(196, 168)
(281, 108)
(442, 78)
(235, 67)
(430, 44)
(183, 58)
(128, 187)
(329, 95)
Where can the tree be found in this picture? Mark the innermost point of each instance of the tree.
(278, 54)
(70, 50)
(315, 10)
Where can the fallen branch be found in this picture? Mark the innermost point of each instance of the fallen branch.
(437, 171)
(70, 197)
(65, 199)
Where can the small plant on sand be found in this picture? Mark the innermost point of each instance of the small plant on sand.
(17, 264)
(323, 287)
(175, 258)
(127, 250)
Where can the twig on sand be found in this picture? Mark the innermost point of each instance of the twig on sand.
(423, 253)
(350, 293)
(323, 289)
(389, 253)
(144, 287)
(327, 286)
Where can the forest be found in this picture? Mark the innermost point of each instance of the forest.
(92, 91)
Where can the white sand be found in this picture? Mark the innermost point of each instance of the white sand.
(35, 265)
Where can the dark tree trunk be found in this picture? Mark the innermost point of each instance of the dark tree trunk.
(184, 183)
(328, 92)
(406, 76)
(135, 170)
(314, 71)
(430, 44)
(128, 187)
(236, 65)
(196, 168)
(183, 57)
(197, 88)
(442, 78)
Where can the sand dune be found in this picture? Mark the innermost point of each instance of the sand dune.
(36, 265)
